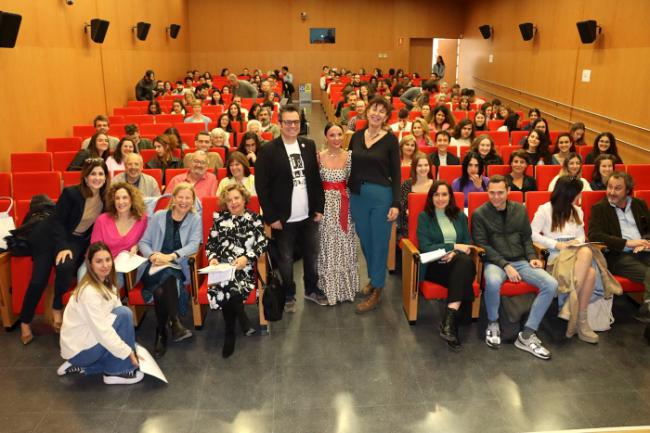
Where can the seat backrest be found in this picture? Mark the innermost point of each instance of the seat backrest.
(585, 150)
(28, 184)
(553, 135)
(460, 115)
(590, 198)
(189, 128)
(517, 136)
(71, 178)
(62, 144)
(61, 160)
(156, 173)
(168, 118)
(83, 131)
(449, 172)
(641, 175)
(170, 173)
(588, 172)
(643, 194)
(137, 103)
(416, 204)
(505, 169)
(31, 161)
(127, 111)
(500, 138)
(154, 128)
(139, 118)
(476, 199)
(147, 155)
(493, 125)
(545, 174)
(506, 151)
(535, 199)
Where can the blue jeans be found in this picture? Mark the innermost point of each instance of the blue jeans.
(369, 211)
(98, 360)
(495, 276)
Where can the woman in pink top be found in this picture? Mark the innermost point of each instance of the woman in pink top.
(124, 221)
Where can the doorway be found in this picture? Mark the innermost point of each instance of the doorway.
(423, 53)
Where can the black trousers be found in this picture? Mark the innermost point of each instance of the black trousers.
(457, 276)
(636, 267)
(44, 253)
(166, 301)
(305, 234)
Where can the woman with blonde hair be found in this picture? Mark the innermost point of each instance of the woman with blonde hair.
(172, 236)
(98, 336)
(420, 130)
(408, 148)
(237, 238)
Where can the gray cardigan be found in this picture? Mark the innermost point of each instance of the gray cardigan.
(191, 232)
(147, 186)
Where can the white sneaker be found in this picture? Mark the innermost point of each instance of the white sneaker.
(493, 335)
(67, 368)
(532, 345)
(129, 378)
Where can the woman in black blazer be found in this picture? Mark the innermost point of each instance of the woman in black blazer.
(62, 240)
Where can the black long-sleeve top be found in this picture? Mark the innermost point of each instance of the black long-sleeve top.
(378, 164)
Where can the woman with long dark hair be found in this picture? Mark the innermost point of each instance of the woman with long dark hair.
(605, 142)
(563, 147)
(603, 168)
(537, 147)
(165, 145)
(471, 179)
(572, 166)
(559, 226)
(98, 147)
(443, 225)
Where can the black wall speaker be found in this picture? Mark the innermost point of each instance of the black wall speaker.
(98, 29)
(486, 31)
(588, 30)
(9, 26)
(173, 30)
(142, 29)
(527, 31)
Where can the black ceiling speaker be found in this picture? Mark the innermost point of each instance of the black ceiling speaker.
(9, 26)
(486, 31)
(589, 31)
(142, 30)
(98, 29)
(527, 31)
(173, 30)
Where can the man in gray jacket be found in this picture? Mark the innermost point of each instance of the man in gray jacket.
(241, 88)
(502, 228)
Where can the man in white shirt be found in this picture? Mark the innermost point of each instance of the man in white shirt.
(291, 195)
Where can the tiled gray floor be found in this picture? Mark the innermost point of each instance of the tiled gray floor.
(326, 369)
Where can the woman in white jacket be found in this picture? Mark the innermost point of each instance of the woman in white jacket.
(97, 335)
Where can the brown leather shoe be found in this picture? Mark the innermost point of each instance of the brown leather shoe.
(371, 303)
(367, 290)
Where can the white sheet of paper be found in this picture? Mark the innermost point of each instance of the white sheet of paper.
(432, 256)
(218, 274)
(154, 269)
(148, 365)
(125, 262)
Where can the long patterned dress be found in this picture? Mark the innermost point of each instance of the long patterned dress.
(233, 236)
(338, 259)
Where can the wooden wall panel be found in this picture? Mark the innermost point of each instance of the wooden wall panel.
(56, 77)
(550, 67)
(420, 53)
(275, 35)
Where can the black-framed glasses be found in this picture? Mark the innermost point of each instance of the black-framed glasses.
(291, 122)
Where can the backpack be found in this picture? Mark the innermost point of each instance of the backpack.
(41, 208)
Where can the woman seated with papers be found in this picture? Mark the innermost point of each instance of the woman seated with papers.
(443, 225)
(122, 225)
(236, 241)
(172, 236)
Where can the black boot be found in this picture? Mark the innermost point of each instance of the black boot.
(229, 317)
(449, 329)
(160, 346)
(179, 332)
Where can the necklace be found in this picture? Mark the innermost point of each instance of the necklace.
(333, 155)
(372, 137)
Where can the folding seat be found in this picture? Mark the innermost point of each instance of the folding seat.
(154, 128)
(500, 137)
(31, 161)
(5, 185)
(553, 135)
(506, 151)
(61, 160)
(535, 199)
(412, 286)
(493, 125)
(449, 172)
(505, 169)
(587, 171)
(171, 172)
(115, 119)
(83, 131)
(471, 115)
(127, 111)
(62, 144)
(545, 174)
(268, 136)
(71, 178)
(517, 136)
(221, 173)
(235, 126)
(460, 115)
(28, 184)
(199, 297)
(212, 110)
(139, 118)
(462, 151)
(138, 104)
(642, 194)
(428, 150)
(188, 139)
(412, 115)
(156, 173)
(641, 175)
(583, 151)
(147, 155)
(190, 128)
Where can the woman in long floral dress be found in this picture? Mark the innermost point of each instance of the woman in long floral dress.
(338, 261)
(237, 238)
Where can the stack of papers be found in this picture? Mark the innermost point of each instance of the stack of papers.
(125, 262)
(221, 273)
(432, 256)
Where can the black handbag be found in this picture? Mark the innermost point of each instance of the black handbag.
(274, 297)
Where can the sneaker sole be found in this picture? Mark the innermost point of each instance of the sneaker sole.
(492, 345)
(183, 337)
(315, 301)
(61, 370)
(525, 348)
(115, 380)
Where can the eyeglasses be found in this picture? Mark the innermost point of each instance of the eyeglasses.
(291, 122)
(93, 161)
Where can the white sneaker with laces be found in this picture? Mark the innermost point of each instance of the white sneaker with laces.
(128, 378)
(493, 335)
(532, 345)
(67, 368)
